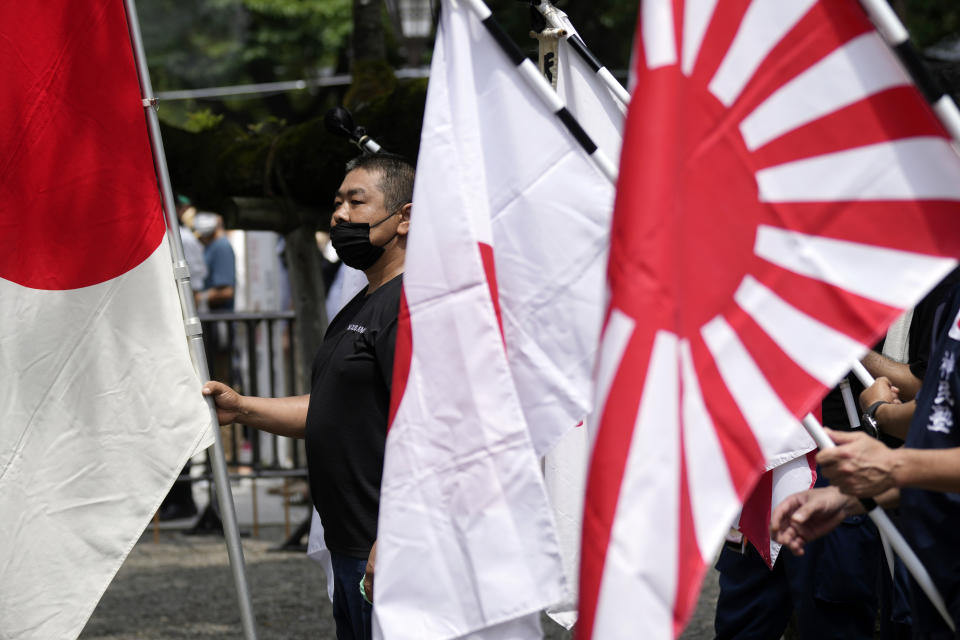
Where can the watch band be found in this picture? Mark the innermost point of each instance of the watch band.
(872, 409)
(869, 419)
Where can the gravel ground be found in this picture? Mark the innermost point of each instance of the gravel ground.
(181, 587)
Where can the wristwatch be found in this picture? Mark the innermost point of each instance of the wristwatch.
(869, 419)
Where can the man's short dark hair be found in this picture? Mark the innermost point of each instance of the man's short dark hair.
(395, 177)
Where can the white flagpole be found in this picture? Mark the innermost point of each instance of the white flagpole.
(192, 326)
(853, 417)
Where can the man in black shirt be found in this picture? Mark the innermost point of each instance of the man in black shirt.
(344, 418)
(907, 376)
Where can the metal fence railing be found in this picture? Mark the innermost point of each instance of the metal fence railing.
(256, 354)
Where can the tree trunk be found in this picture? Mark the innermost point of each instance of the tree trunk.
(309, 299)
(368, 41)
(373, 77)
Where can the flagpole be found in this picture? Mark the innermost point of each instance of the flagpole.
(192, 326)
(898, 38)
(557, 19)
(887, 528)
(542, 89)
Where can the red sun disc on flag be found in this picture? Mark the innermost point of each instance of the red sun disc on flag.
(79, 202)
(784, 192)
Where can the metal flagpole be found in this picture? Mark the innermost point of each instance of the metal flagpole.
(192, 326)
(557, 19)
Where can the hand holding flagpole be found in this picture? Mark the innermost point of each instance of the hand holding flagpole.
(882, 520)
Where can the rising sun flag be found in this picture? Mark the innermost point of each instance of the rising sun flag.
(784, 193)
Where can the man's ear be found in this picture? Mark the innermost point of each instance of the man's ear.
(404, 227)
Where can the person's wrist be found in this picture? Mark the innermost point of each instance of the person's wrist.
(851, 505)
(899, 466)
(874, 408)
(244, 412)
(880, 413)
(845, 504)
(870, 421)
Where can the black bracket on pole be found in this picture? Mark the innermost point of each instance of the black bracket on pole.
(340, 122)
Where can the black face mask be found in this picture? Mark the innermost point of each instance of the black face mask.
(352, 243)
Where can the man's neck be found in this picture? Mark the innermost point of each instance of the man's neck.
(388, 267)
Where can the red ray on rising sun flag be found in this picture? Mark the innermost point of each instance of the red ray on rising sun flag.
(784, 193)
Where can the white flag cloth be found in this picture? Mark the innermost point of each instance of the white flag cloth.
(565, 473)
(596, 108)
(773, 487)
(465, 536)
(550, 210)
(101, 409)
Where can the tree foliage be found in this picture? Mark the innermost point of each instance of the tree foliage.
(199, 43)
(276, 148)
(211, 43)
(929, 21)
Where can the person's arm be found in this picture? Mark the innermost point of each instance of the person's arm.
(864, 467)
(280, 416)
(217, 296)
(894, 419)
(899, 374)
(368, 573)
(932, 469)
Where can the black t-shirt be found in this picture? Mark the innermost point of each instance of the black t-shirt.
(347, 418)
(921, 336)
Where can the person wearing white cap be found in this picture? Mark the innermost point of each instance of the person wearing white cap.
(218, 286)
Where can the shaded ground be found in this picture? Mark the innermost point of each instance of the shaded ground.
(182, 588)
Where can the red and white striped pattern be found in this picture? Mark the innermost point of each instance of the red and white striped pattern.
(759, 243)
